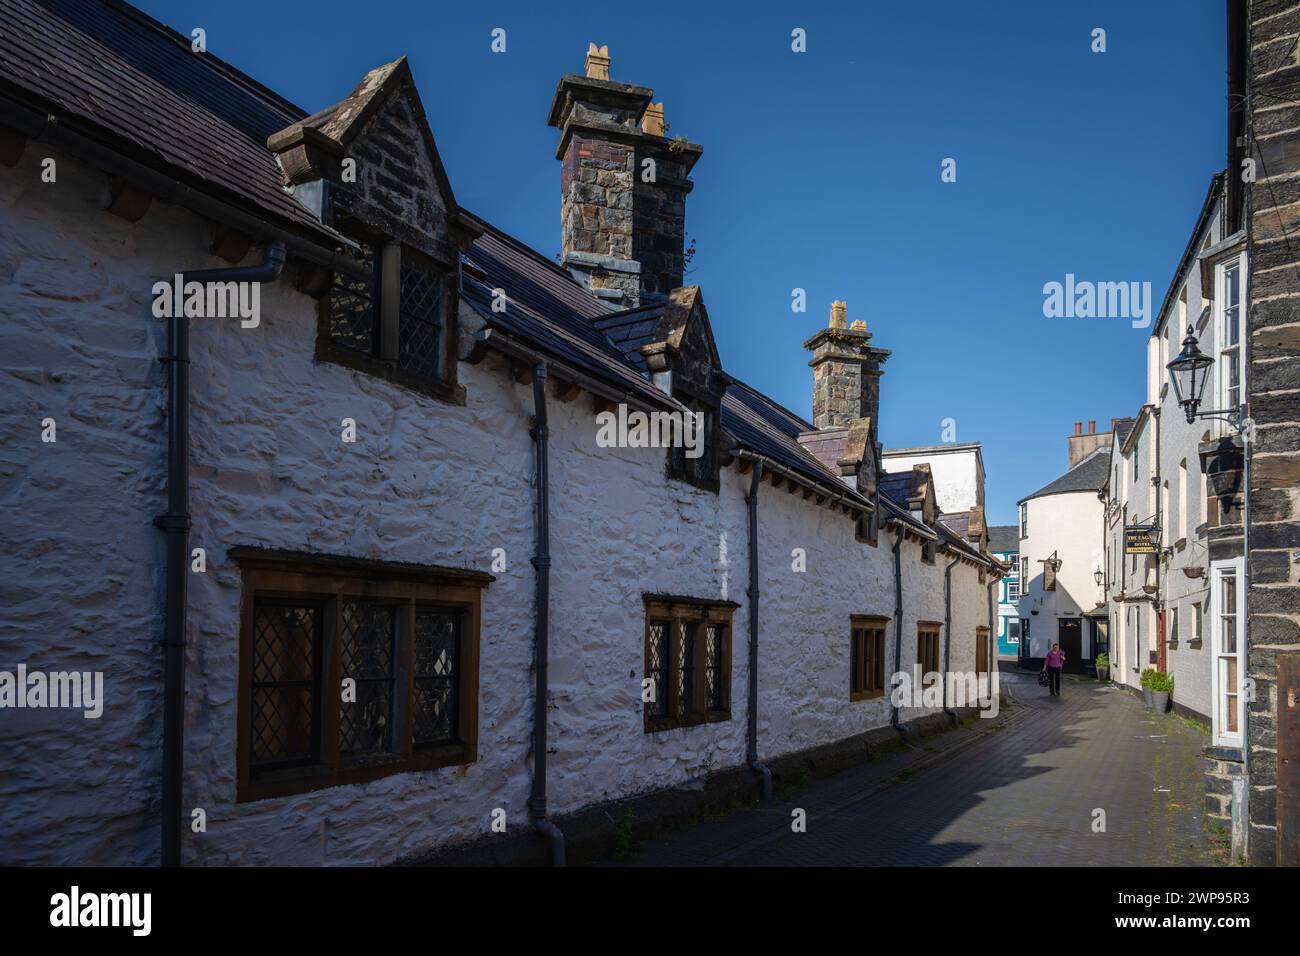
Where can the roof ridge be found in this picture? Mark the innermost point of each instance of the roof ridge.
(771, 401)
(222, 66)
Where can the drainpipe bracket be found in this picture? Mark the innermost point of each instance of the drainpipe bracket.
(173, 522)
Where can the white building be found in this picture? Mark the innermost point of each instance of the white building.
(1060, 554)
(391, 472)
(1168, 608)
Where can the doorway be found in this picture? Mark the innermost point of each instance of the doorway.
(1069, 633)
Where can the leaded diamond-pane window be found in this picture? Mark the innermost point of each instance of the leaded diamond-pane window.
(353, 669)
(437, 674)
(688, 660)
(420, 327)
(366, 655)
(354, 307)
(685, 666)
(657, 655)
(715, 691)
(286, 684)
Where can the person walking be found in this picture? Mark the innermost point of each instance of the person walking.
(1052, 664)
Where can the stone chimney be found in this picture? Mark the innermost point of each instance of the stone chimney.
(623, 186)
(846, 373)
(1082, 444)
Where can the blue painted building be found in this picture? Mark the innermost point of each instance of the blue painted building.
(1004, 544)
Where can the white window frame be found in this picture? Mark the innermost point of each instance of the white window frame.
(1220, 329)
(1024, 520)
(1007, 628)
(1016, 583)
(1218, 668)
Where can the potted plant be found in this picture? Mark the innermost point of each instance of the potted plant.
(1103, 667)
(1162, 685)
(1147, 700)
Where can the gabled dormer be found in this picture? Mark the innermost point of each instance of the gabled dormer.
(682, 360)
(368, 166)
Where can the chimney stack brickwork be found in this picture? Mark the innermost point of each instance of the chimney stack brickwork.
(623, 186)
(1082, 444)
(846, 373)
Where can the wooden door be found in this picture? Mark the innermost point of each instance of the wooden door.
(1162, 650)
(1069, 633)
(1288, 759)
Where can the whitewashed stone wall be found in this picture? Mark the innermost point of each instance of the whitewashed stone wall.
(425, 482)
(1068, 525)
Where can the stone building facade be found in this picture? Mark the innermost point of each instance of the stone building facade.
(1269, 78)
(426, 610)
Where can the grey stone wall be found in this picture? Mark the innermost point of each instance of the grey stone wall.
(1273, 381)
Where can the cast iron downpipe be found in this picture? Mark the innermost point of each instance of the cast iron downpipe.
(176, 523)
(898, 621)
(541, 629)
(751, 753)
(947, 635)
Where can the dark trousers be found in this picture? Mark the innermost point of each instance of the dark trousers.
(1054, 680)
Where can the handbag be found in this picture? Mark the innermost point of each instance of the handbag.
(1043, 679)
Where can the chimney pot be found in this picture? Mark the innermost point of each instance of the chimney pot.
(1092, 426)
(1078, 428)
(858, 325)
(838, 310)
(597, 65)
(653, 121)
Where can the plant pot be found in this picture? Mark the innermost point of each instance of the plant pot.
(1103, 674)
(1160, 700)
(1148, 699)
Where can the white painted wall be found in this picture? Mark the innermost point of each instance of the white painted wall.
(1068, 525)
(426, 482)
(958, 474)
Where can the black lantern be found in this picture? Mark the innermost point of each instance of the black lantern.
(1189, 373)
(1097, 576)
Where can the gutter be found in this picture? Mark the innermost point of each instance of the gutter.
(541, 627)
(176, 523)
(751, 749)
(947, 634)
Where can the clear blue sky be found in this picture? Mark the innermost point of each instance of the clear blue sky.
(821, 171)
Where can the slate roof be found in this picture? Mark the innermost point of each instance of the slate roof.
(134, 85)
(1088, 475)
(900, 485)
(1004, 537)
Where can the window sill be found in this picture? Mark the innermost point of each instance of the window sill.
(443, 391)
(866, 695)
(295, 780)
(654, 725)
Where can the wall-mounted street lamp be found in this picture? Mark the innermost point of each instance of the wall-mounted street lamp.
(1097, 576)
(1189, 372)
(1222, 462)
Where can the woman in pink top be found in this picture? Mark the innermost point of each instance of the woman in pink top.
(1053, 663)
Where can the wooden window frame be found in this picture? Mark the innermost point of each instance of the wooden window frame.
(927, 647)
(865, 631)
(329, 580)
(701, 613)
(383, 362)
(982, 650)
